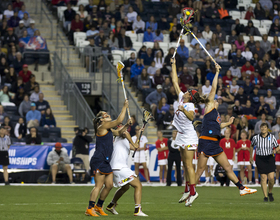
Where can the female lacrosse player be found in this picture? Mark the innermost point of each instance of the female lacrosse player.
(209, 140)
(186, 137)
(124, 177)
(100, 161)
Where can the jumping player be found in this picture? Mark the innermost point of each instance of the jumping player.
(186, 137)
(243, 158)
(124, 177)
(100, 161)
(209, 140)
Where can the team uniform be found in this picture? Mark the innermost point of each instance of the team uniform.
(210, 134)
(228, 147)
(122, 173)
(243, 156)
(140, 156)
(100, 161)
(277, 156)
(163, 155)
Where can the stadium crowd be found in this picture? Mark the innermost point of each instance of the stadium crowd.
(249, 82)
(24, 112)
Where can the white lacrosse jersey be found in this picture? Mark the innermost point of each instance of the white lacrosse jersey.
(180, 121)
(143, 141)
(121, 150)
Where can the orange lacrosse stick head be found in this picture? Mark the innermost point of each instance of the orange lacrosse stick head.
(120, 66)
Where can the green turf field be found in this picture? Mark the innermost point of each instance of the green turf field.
(69, 202)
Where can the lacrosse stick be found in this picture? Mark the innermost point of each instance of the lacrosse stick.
(187, 15)
(147, 116)
(120, 66)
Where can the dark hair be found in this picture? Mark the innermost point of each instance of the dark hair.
(199, 99)
(97, 120)
(51, 114)
(243, 131)
(264, 124)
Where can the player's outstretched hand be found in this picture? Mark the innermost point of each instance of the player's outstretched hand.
(218, 67)
(129, 121)
(173, 60)
(231, 120)
(126, 104)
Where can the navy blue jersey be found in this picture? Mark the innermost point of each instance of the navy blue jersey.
(104, 147)
(211, 124)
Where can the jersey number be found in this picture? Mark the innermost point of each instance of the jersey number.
(219, 120)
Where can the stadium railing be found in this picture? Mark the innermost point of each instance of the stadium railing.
(47, 15)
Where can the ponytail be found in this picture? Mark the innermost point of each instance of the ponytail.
(200, 99)
(96, 121)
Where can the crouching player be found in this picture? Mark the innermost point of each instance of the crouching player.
(124, 177)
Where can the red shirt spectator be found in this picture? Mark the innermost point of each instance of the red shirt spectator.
(249, 15)
(256, 80)
(227, 78)
(162, 144)
(228, 145)
(77, 24)
(25, 73)
(243, 149)
(247, 68)
(17, 4)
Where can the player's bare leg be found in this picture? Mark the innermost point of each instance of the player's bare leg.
(136, 167)
(242, 173)
(160, 173)
(118, 194)
(201, 164)
(270, 177)
(264, 184)
(256, 175)
(250, 173)
(165, 173)
(136, 184)
(146, 172)
(277, 174)
(186, 175)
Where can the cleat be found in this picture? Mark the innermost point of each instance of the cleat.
(191, 199)
(91, 212)
(140, 213)
(99, 210)
(271, 199)
(246, 191)
(265, 199)
(184, 197)
(112, 209)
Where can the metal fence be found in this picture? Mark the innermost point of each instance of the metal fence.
(71, 95)
(47, 15)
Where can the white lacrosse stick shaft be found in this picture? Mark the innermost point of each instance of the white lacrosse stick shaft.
(180, 37)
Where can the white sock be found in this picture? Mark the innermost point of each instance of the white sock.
(207, 179)
(137, 206)
(277, 181)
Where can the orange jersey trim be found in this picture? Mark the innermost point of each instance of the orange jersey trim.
(209, 111)
(101, 135)
(208, 138)
(209, 155)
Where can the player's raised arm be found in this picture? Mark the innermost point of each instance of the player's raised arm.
(214, 85)
(225, 124)
(174, 76)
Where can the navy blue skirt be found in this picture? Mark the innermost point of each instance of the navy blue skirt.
(100, 166)
(209, 148)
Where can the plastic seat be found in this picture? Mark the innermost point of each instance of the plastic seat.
(46, 140)
(140, 37)
(166, 38)
(137, 45)
(127, 54)
(117, 55)
(54, 132)
(149, 44)
(44, 132)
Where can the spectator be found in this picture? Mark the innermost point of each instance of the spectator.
(203, 54)
(168, 118)
(174, 10)
(233, 37)
(249, 14)
(11, 77)
(162, 147)
(274, 28)
(129, 62)
(171, 96)
(241, 97)
(248, 110)
(207, 33)
(143, 50)
(99, 39)
(227, 96)
(266, 5)
(206, 89)
(276, 128)
(19, 96)
(133, 125)
(42, 105)
(138, 25)
(240, 43)
(163, 25)
(20, 29)
(31, 30)
(58, 160)
(8, 13)
(92, 32)
(69, 15)
(82, 12)
(221, 175)
(251, 43)
(247, 69)
(33, 116)
(258, 50)
(22, 12)
(4, 68)
(220, 34)
(274, 12)
(268, 81)
(258, 124)
(148, 35)
(232, 52)
(153, 98)
(34, 97)
(158, 36)
(127, 25)
(113, 41)
(24, 106)
(191, 66)
(196, 53)
(259, 12)
(183, 51)
(26, 20)
(262, 108)
(223, 106)
(89, 6)
(3, 51)
(238, 60)
(76, 26)
(6, 96)
(210, 75)
(247, 54)
(117, 29)
(162, 109)
(20, 130)
(273, 71)
(131, 15)
(2, 114)
(17, 4)
(30, 85)
(212, 12)
(265, 44)
(147, 58)
(256, 80)
(220, 54)
(220, 87)
(158, 78)
(199, 78)
(199, 37)
(159, 60)
(48, 119)
(23, 42)
(166, 85)
(248, 88)
(234, 87)
(25, 73)
(239, 28)
(270, 100)
(33, 137)
(261, 67)
(250, 29)
(144, 84)
(235, 71)
(254, 98)
(156, 48)
(186, 78)
(136, 70)
(124, 41)
(8, 126)
(173, 35)
(14, 20)
(12, 55)
(273, 53)
(227, 79)
(10, 39)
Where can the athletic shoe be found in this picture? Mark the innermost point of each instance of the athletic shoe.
(140, 213)
(246, 191)
(91, 212)
(265, 199)
(112, 209)
(271, 199)
(99, 210)
(7, 183)
(184, 197)
(191, 199)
